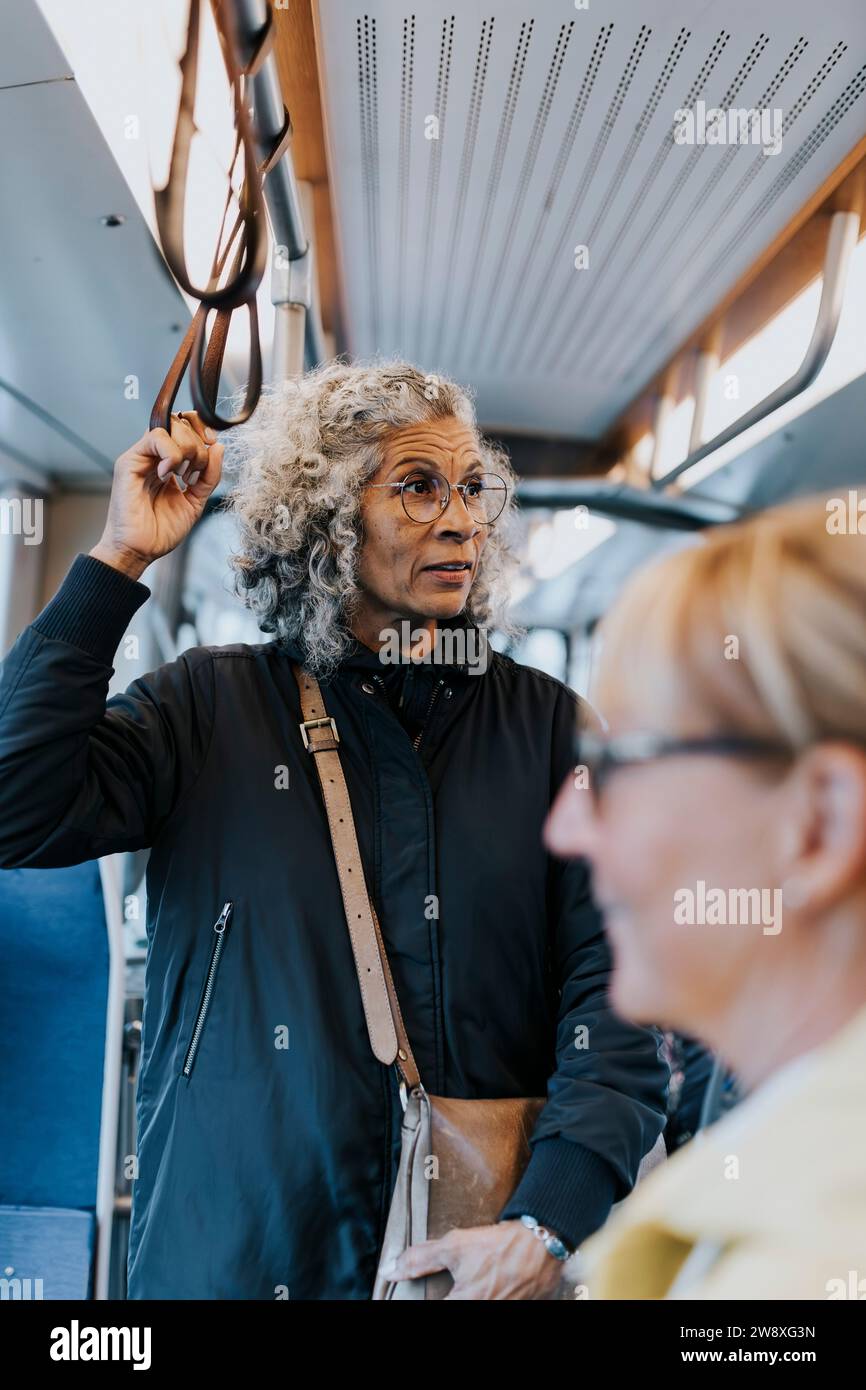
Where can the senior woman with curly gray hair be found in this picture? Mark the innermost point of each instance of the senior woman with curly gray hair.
(373, 527)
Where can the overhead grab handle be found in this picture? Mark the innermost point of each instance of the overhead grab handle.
(170, 201)
(246, 53)
(841, 240)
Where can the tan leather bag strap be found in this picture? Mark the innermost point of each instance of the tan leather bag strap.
(388, 1037)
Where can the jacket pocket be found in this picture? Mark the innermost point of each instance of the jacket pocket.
(220, 931)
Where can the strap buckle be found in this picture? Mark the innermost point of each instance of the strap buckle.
(317, 724)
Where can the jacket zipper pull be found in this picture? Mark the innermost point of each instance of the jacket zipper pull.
(222, 921)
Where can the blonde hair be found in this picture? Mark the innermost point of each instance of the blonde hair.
(761, 629)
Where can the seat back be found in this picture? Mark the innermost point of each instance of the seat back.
(54, 1003)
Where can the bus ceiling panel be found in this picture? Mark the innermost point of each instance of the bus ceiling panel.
(89, 317)
(538, 199)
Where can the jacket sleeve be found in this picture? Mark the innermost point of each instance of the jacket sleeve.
(82, 777)
(606, 1098)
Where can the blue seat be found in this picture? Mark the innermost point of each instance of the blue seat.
(55, 984)
(46, 1252)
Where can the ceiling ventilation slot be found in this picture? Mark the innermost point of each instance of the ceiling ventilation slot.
(734, 239)
(674, 241)
(613, 188)
(495, 175)
(598, 150)
(798, 161)
(478, 80)
(369, 109)
(664, 148)
(521, 279)
(745, 69)
(697, 88)
(526, 172)
(407, 87)
(446, 45)
(670, 201)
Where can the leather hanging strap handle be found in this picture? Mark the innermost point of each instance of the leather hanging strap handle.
(388, 1037)
(205, 374)
(169, 202)
(205, 357)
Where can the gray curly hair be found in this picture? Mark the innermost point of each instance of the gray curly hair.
(298, 469)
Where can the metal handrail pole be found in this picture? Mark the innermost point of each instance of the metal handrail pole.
(841, 240)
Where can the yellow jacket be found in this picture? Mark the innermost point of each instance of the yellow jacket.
(769, 1203)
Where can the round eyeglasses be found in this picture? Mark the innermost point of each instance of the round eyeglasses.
(426, 495)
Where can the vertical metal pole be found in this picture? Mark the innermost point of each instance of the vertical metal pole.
(661, 415)
(111, 877)
(706, 366)
(290, 322)
(293, 291)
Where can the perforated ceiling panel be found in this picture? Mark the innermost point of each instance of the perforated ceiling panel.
(476, 148)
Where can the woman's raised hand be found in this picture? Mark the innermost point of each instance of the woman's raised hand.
(160, 488)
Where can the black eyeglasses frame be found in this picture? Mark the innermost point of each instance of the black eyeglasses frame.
(602, 756)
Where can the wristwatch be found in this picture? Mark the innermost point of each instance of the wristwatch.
(551, 1242)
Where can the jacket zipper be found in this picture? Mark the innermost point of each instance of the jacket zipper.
(220, 927)
(434, 693)
(416, 742)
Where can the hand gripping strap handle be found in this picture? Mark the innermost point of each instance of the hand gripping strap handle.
(388, 1037)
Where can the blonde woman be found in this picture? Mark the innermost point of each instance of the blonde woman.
(726, 828)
